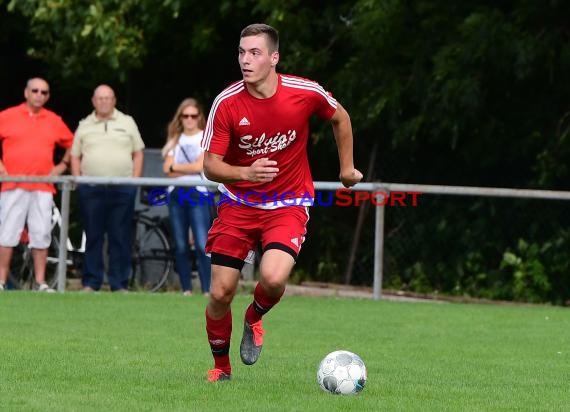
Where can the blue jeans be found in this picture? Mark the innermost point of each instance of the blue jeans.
(185, 215)
(107, 210)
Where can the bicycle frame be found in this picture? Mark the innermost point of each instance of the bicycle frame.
(152, 258)
(56, 221)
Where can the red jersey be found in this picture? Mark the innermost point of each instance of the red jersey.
(243, 128)
(28, 143)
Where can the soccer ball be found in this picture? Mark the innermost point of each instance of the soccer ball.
(342, 372)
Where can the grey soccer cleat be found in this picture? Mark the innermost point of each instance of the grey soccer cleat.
(251, 342)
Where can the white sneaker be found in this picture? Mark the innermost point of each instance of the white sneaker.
(2, 287)
(45, 288)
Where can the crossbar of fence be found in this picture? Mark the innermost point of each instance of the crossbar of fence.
(377, 189)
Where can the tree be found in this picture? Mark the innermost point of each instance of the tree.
(464, 93)
(470, 93)
(80, 39)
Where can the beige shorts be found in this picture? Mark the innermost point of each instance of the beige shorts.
(19, 207)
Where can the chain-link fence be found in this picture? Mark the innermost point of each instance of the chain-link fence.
(482, 242)
(477, 245)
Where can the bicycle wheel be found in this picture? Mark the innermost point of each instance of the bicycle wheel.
(152, 256)
(21, 267)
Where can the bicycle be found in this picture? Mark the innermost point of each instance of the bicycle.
(22, 266)
(152, 256)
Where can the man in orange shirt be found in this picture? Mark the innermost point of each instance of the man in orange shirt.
(29, 134)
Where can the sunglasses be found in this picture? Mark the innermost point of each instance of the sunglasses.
(193, 116)
(43, 92)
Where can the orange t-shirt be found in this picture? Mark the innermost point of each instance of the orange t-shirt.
(28, 144)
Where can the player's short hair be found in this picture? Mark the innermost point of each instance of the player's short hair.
(269, 32)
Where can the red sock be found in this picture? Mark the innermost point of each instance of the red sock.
(261, 304)
(219, 332)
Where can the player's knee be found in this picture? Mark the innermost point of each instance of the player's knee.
(275, 268)
(222, 295)
(274, 277)
(274, 280)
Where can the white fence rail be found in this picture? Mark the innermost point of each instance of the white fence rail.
(67, 183)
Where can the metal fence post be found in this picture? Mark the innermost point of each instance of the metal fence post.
(63, 234)
(378, 248)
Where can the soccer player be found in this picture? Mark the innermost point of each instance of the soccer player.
(256, 147)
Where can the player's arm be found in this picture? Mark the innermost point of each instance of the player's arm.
(61, 167)
(342, 129)
(138, 159)
(76, 165)
(217, 170)
(180, 169)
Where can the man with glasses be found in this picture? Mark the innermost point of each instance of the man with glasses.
(107, 144)
(29, 134)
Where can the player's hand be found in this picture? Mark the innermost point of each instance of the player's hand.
(262, 170)
(350, 178)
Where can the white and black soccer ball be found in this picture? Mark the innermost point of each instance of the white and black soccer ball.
(342, 372)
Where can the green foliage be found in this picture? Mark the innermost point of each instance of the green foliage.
(443, 83)
(467, 93)
(467, 255)
(530, 281)
(85, 38)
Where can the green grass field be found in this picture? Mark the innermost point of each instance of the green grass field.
(146, 352)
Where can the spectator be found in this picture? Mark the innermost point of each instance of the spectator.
(29, 134)
(184, 159)
(107, 144)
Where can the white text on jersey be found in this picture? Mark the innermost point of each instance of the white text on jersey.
(263, 145)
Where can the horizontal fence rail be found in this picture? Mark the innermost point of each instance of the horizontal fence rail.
(68, 183)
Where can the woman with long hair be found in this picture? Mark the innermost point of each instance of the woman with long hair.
(183, 160)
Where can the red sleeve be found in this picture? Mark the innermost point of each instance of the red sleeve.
(324, 104)
(217, 134)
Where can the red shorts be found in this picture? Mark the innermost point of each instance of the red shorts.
(240, 229)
